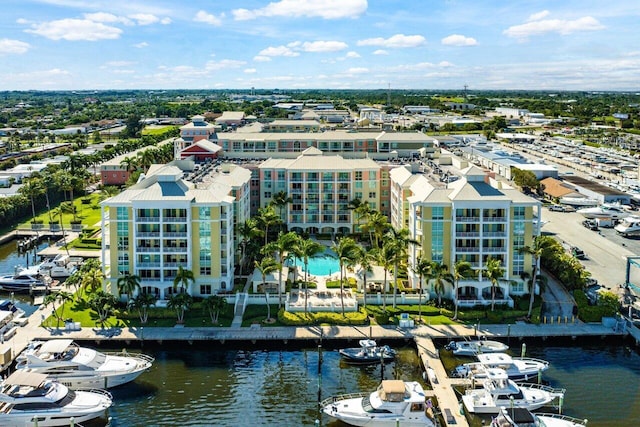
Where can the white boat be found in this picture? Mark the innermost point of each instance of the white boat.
(499, 391)
(59, 267)
(629, 226)
(26, 397)
(578, 201)
(368, 352)
(475, 347)
(394, 403)
(517, 368)
(81, 367)
(24, 280)
(614, 211)
(520, 417)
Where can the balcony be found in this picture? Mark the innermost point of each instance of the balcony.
(493, 250)
(175, 250)
(467, 248)
(182, 234)
(494, 218)
(146, 249)
(148, 265)
(467, 234)
(148, 234)
(175, 219)
(148, 219)
(467, 219)
(494, 234)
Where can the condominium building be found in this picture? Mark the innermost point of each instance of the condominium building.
(179, 215)
(376, 144)
(321, 187)
(474, 219)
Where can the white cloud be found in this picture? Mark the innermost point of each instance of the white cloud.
(396, 41)
(459, 40)
(329, 9)
(141, 45)
(144, 18)
(250, 70)
(352, 54)
(22, 21)
(75, 30)
(323, 46)
(118, 63)
(107, 17)
(165, 21)
(223, 64)
(208, 18)
(278, 51)
(445, 64)
(13, 46)
(538, 16)
(380, 52)
(357, 70)
(261, 58)
(560, 26)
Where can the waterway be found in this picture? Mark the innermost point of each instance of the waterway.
(210, 384)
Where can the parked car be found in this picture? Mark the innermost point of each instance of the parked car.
(556, 208)
(568, 208)
(591, 224)
(578, 253)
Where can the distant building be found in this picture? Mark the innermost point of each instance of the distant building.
(231, 118)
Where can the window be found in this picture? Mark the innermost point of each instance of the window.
(204, 212)
(372, 194)
(358, 176)
(372, 175)
(437, 213)
(267, 194)
(122, 213)
(518, 212)
(205, 289)
(437, 241)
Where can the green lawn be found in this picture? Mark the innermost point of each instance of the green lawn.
(87, 208)
(158, 130)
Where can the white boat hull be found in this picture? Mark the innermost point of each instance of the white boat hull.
(81, 382)
(480, 402)
(49, 420)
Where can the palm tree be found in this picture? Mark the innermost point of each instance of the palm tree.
(266, 218)
(103, 304)
(180, 303)
(362, 211)
(280, 200)
(183, 278)
(494, 273)
(214, 305)
(385, 257)
(536, 250)
(345, 250)
(282, 248)
(248, 231)
(306, 249)
(377, 225)
(266, 266)
(32, 189)
(92, 281)
(52, 299)
(142, 302)
(128, 284)
(423, 269)
(365, 259)
(399, 241)
(461, 270)
(441, 276)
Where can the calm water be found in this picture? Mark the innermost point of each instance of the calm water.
(280, 388)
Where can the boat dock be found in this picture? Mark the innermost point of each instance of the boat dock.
(442, 385)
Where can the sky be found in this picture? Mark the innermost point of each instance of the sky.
(320, 44)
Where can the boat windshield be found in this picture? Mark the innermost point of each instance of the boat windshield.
(366, 405)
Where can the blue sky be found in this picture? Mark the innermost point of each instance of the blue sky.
(332, 44)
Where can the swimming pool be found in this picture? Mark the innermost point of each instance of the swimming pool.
(321, 266)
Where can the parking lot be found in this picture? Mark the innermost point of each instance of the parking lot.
(606, 251)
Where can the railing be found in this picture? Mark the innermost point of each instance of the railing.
(148, 234)
(467, 248)
(494, 218)
(494, 234)
(493, 250)
(175, 250)
(334, 399)
(175, 234)
(143, 249)
(148, 219)
(175, 219)
(148, 264)
(467, 234)
(468, 219)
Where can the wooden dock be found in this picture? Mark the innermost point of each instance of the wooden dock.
(441, 384)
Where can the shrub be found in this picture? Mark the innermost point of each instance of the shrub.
(301, 319)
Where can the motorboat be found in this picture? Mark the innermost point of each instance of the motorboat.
(499, 391)
(520, 417)
(81, 367)
(629, 226)
(614, 211)
(368, 352)
(475, 347)
(517, 368)
(395, 402)
(26, 397)
(24, 280)
(59, 267)
(578, 201)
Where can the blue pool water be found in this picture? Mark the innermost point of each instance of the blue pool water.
(322, 265)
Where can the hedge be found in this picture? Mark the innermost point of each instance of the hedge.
(301, 319)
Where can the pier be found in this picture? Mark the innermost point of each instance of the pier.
(442, 385)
